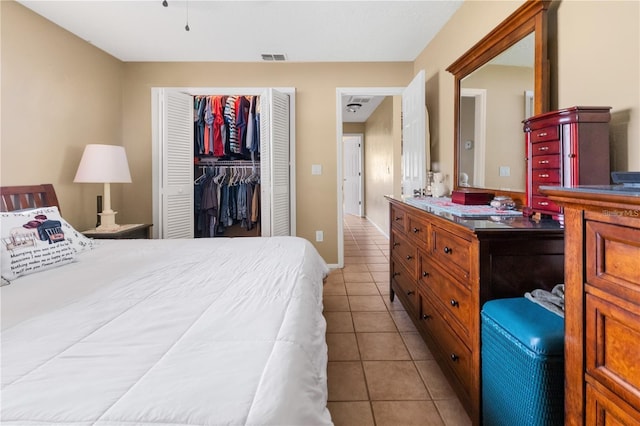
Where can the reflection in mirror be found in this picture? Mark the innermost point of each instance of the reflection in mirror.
(494, 99)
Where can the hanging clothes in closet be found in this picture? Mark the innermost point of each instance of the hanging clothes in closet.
(227, 200)
(227, 126)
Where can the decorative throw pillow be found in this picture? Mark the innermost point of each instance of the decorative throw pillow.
(36, 240)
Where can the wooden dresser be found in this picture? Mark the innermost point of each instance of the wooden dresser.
(444, 267)
(567, 147)
(602, 304)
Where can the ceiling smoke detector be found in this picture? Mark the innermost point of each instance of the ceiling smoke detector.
(354, 107)
(274, 57)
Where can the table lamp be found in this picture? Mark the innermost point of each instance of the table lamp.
(105, 164)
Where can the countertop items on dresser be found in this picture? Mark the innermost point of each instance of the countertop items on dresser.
(125, 232)
(444, 267)
(602, 303)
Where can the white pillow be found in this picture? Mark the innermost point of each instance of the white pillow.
(36, 240)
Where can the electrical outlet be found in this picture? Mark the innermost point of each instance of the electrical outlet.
(319, 236)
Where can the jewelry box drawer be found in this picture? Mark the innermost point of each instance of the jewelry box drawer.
(543, 203)
(452, 252)
(454, 298)
(545, 134)
(545, 176)
(545, 161)
(544, 148)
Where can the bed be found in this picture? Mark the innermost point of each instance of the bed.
(158, 332)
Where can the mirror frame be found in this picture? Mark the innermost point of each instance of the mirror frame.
(528, 18)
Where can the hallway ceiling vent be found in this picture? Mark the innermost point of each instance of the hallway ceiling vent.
(360, 99)
(274, 57)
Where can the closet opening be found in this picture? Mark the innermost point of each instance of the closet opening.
(246, 165)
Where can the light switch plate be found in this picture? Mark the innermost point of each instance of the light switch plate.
(316, 169)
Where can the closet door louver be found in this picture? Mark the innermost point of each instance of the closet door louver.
(176, 190)
(274, 153)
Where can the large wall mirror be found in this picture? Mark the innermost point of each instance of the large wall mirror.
(499, 82)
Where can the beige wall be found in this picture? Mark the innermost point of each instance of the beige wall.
(598, 45)
(315, 85)
(379, 162)
(59, 93)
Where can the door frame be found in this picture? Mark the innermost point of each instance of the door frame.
(351, 91)
(224, 91)
(479, 132)
(360, 136)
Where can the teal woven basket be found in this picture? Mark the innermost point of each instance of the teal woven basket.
(522, 364)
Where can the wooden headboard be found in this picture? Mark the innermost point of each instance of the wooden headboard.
(28, 196)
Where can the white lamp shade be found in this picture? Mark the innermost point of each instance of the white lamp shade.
(103, 164)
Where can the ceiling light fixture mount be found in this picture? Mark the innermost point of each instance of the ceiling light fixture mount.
(353, 107)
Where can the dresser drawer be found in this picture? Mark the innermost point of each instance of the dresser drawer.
(454, 298)
(545, 161)
(543, 203)
(604, 408)
(405, 252)
(450, 348)
(612, 349)
(545, 176)
(613, 258)
(402, 282)
(452, 252)
(545, 134)
(398, 217)
(545, 148)
(418, 230)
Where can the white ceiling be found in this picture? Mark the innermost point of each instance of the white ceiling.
(240, 31)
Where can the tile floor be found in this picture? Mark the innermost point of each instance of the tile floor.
(380, 371)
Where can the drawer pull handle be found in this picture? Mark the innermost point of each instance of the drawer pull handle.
(416, 230)
(454, 303)
(454, 357)
(397, 218)
(426, 316)
(409, 257)
(425, 274)
(409, 293)
(543, 148)
(572, 155)
(395, 274)
(543, 203)
(543, 162)
(543, 175)
(543, 134)
(448, 250)
(396, 244)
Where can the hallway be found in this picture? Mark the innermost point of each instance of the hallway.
(380, 372)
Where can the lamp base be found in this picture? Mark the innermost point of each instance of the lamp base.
(108, 222)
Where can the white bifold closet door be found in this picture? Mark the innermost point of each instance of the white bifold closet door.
(274, 164)
(176, 166)
(415, 155)
(173, 164)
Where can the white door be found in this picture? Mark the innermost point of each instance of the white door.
(414, 140)
(275, 164)
(175, 192)
(352, 188)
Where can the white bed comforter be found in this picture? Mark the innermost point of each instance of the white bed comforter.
(169, 332)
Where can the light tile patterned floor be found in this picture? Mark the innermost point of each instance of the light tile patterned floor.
(380, 371)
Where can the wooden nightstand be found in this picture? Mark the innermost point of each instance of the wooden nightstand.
(126, 232)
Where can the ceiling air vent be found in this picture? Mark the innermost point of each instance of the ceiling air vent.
(360, 99)
(274, 57)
